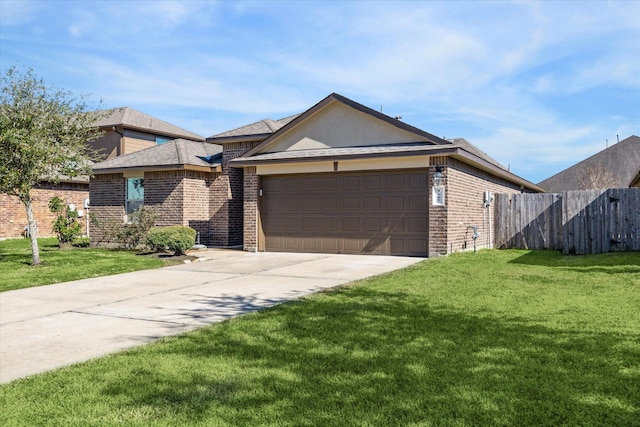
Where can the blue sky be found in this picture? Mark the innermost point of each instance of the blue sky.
(537, 85)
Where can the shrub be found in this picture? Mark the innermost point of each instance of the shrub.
(131, 235)
(176, 238)
(66, 226)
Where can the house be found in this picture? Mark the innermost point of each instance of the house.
(617, 166)
(126, 130)
(13, 217)
(344, 178)
(174, 179)
(338, 178)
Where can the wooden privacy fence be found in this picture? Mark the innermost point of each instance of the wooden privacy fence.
(574, 222)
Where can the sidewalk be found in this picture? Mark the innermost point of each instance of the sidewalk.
(51, 326)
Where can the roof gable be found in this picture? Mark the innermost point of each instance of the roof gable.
(254, 131)
(133, 119)
(614, 167)
(338, 122)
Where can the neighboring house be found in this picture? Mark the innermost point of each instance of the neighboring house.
(339, 178)
(174, 179)
(128, 130)
(13, 216)
(635, 182)
(615, 167)
(125, 131)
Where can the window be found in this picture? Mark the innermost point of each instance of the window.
(161, 140)
(135, 194)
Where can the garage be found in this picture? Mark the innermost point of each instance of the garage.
(379, 212)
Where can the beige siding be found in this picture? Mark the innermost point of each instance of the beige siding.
(340, 126)
(131, 145)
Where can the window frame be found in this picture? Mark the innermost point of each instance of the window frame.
(128, 201)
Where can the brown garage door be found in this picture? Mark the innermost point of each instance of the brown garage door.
(382, 213)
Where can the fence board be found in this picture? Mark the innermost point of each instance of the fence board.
(579, 222)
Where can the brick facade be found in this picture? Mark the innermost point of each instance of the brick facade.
(107, 206)
(450, 226)
(251, 198)
(13, 215)
(178, 197)
(227, 197)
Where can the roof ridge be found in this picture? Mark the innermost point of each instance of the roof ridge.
(270, 124)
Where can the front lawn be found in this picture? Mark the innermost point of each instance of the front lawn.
(500, 338)
(57, 266)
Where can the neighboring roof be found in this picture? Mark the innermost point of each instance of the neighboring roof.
(130, 118)
(617, 166)
(253, 132)
(175, 154)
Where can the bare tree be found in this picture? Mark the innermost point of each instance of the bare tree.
(596, 177)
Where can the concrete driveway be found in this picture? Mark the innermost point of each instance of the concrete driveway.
(52, 326)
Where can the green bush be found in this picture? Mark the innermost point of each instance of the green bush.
(66, 226)
(131, 235)
(175, 238)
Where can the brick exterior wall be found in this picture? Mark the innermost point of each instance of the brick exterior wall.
(449, 225)
(196, 192)
(164, 193)
(107, 193)
(13, 215)
(251, 189)
(178, 197)
(227, 197)
(437, 215)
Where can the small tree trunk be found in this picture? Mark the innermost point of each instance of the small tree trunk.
(33, 233)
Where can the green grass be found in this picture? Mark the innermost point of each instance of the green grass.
(497, 339)
(16, 271)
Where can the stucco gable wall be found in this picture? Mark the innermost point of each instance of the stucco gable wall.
(338, 126)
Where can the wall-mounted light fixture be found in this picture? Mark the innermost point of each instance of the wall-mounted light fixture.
(437, 191)
(437, 176)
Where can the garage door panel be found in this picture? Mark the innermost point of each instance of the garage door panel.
(351, 203)
(418, 225)
(350, 224)
(418, 202)
(394, 224)
(329, 184)
(351, 183)
(395, 181)
(311, 224)
(373, 203)
(395, 203)
(329, 224)
(418, 181)
(372, 225)
(383, 212)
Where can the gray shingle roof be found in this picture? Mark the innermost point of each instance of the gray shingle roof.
(175, 153)
(133, 119)
(617, 165)
(262, 128)
(467, 146)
